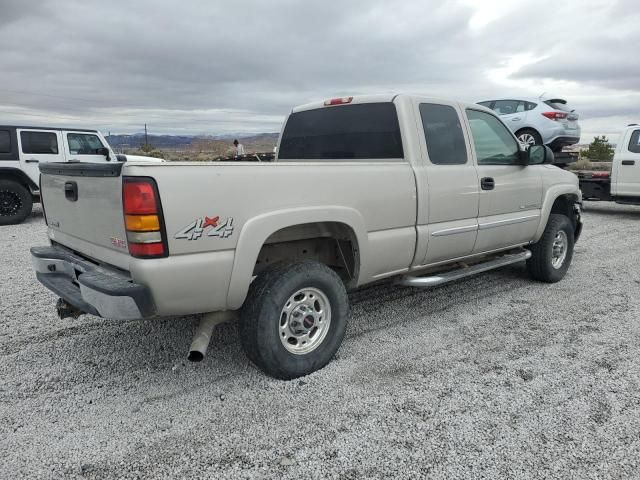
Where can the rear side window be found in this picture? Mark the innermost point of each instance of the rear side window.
(5, 141)
(507, 107)
(83, 144)
(530, 105)
(39, 142)
(486, 104)
(346, 132)
(634, 143)
(494, 143)
(443, 133)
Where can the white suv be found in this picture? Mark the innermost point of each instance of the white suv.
(24, 149)
(538, 122)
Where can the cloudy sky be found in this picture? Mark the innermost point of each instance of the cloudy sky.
(214, 67)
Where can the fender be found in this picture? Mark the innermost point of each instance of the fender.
(552, 193)
(12, 172)
(256, 231)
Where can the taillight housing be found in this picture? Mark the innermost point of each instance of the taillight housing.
(143, 220)
(338, 101)
(555, 115)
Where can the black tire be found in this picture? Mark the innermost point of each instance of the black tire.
(529, 131)
(541, 264)
(262, 321)
(15, 202)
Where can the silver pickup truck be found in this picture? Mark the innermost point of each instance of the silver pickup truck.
(363, 189)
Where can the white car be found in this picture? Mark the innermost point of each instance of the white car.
(538, 122)
(23, 149)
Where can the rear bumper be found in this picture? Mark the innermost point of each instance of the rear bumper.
(89, 287)
(557, 143)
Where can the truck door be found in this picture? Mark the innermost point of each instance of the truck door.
(38, 146)
(84, 147)
(510, 193)
(448, 185)
(626, 175)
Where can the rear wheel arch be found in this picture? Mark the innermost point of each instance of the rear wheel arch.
(531, 131)
(280, 231)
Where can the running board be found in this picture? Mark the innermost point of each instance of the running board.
(452, 275)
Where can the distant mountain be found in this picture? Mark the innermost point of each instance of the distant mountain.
(187, 142)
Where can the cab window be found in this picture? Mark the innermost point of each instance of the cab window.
(41, 143)
(5, 141)
(634, 143)
(84, 144)
(494, 144)
(443, 134)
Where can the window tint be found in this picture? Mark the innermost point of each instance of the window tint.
(83, 144)
(494, 144)
(634, 143)
(486, 104)
(506, 107)
(530, 106)
(5, 141)
(361, 131)
(39, 142)
(443, 133)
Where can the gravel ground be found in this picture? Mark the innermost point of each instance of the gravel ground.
(492, 377)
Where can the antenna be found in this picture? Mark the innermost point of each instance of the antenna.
(542, 95)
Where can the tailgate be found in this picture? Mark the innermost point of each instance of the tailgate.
(83, 207)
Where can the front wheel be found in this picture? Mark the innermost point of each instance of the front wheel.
(294, 319)
(552, 254)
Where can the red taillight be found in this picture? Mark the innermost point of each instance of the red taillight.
(600, 175)
(139, 197)
(146, 249)
(143, 220)
(338, 101)
(555, 115)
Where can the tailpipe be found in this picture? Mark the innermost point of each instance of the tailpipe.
(201, 338)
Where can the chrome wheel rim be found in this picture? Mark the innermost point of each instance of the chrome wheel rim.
(304, 321)
(10, 203)
(559, 249)
(527, 140)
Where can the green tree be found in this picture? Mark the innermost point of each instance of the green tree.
(600, 150)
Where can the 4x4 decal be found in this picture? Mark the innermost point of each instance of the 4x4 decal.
(196, 229)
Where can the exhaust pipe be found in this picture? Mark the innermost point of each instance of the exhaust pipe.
(203, 333)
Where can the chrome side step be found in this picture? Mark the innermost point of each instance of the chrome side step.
(452, 275)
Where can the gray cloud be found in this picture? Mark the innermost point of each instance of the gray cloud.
(195, 67)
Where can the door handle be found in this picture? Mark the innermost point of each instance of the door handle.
(32, 160)
(487, 183)
(71, 191)
(516, 119)
(628, 162)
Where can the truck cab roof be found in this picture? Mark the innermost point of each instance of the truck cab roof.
(379, 98)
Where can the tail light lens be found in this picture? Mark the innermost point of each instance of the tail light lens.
(338, 101)
(555, 115)
(143, 218)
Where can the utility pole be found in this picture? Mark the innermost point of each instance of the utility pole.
(146, 143)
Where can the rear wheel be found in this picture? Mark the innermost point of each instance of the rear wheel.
(552, 255)
(529, 137)
(294, 319)
(15, 202)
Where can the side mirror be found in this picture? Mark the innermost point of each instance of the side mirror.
(539, 154)
(103, 151)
